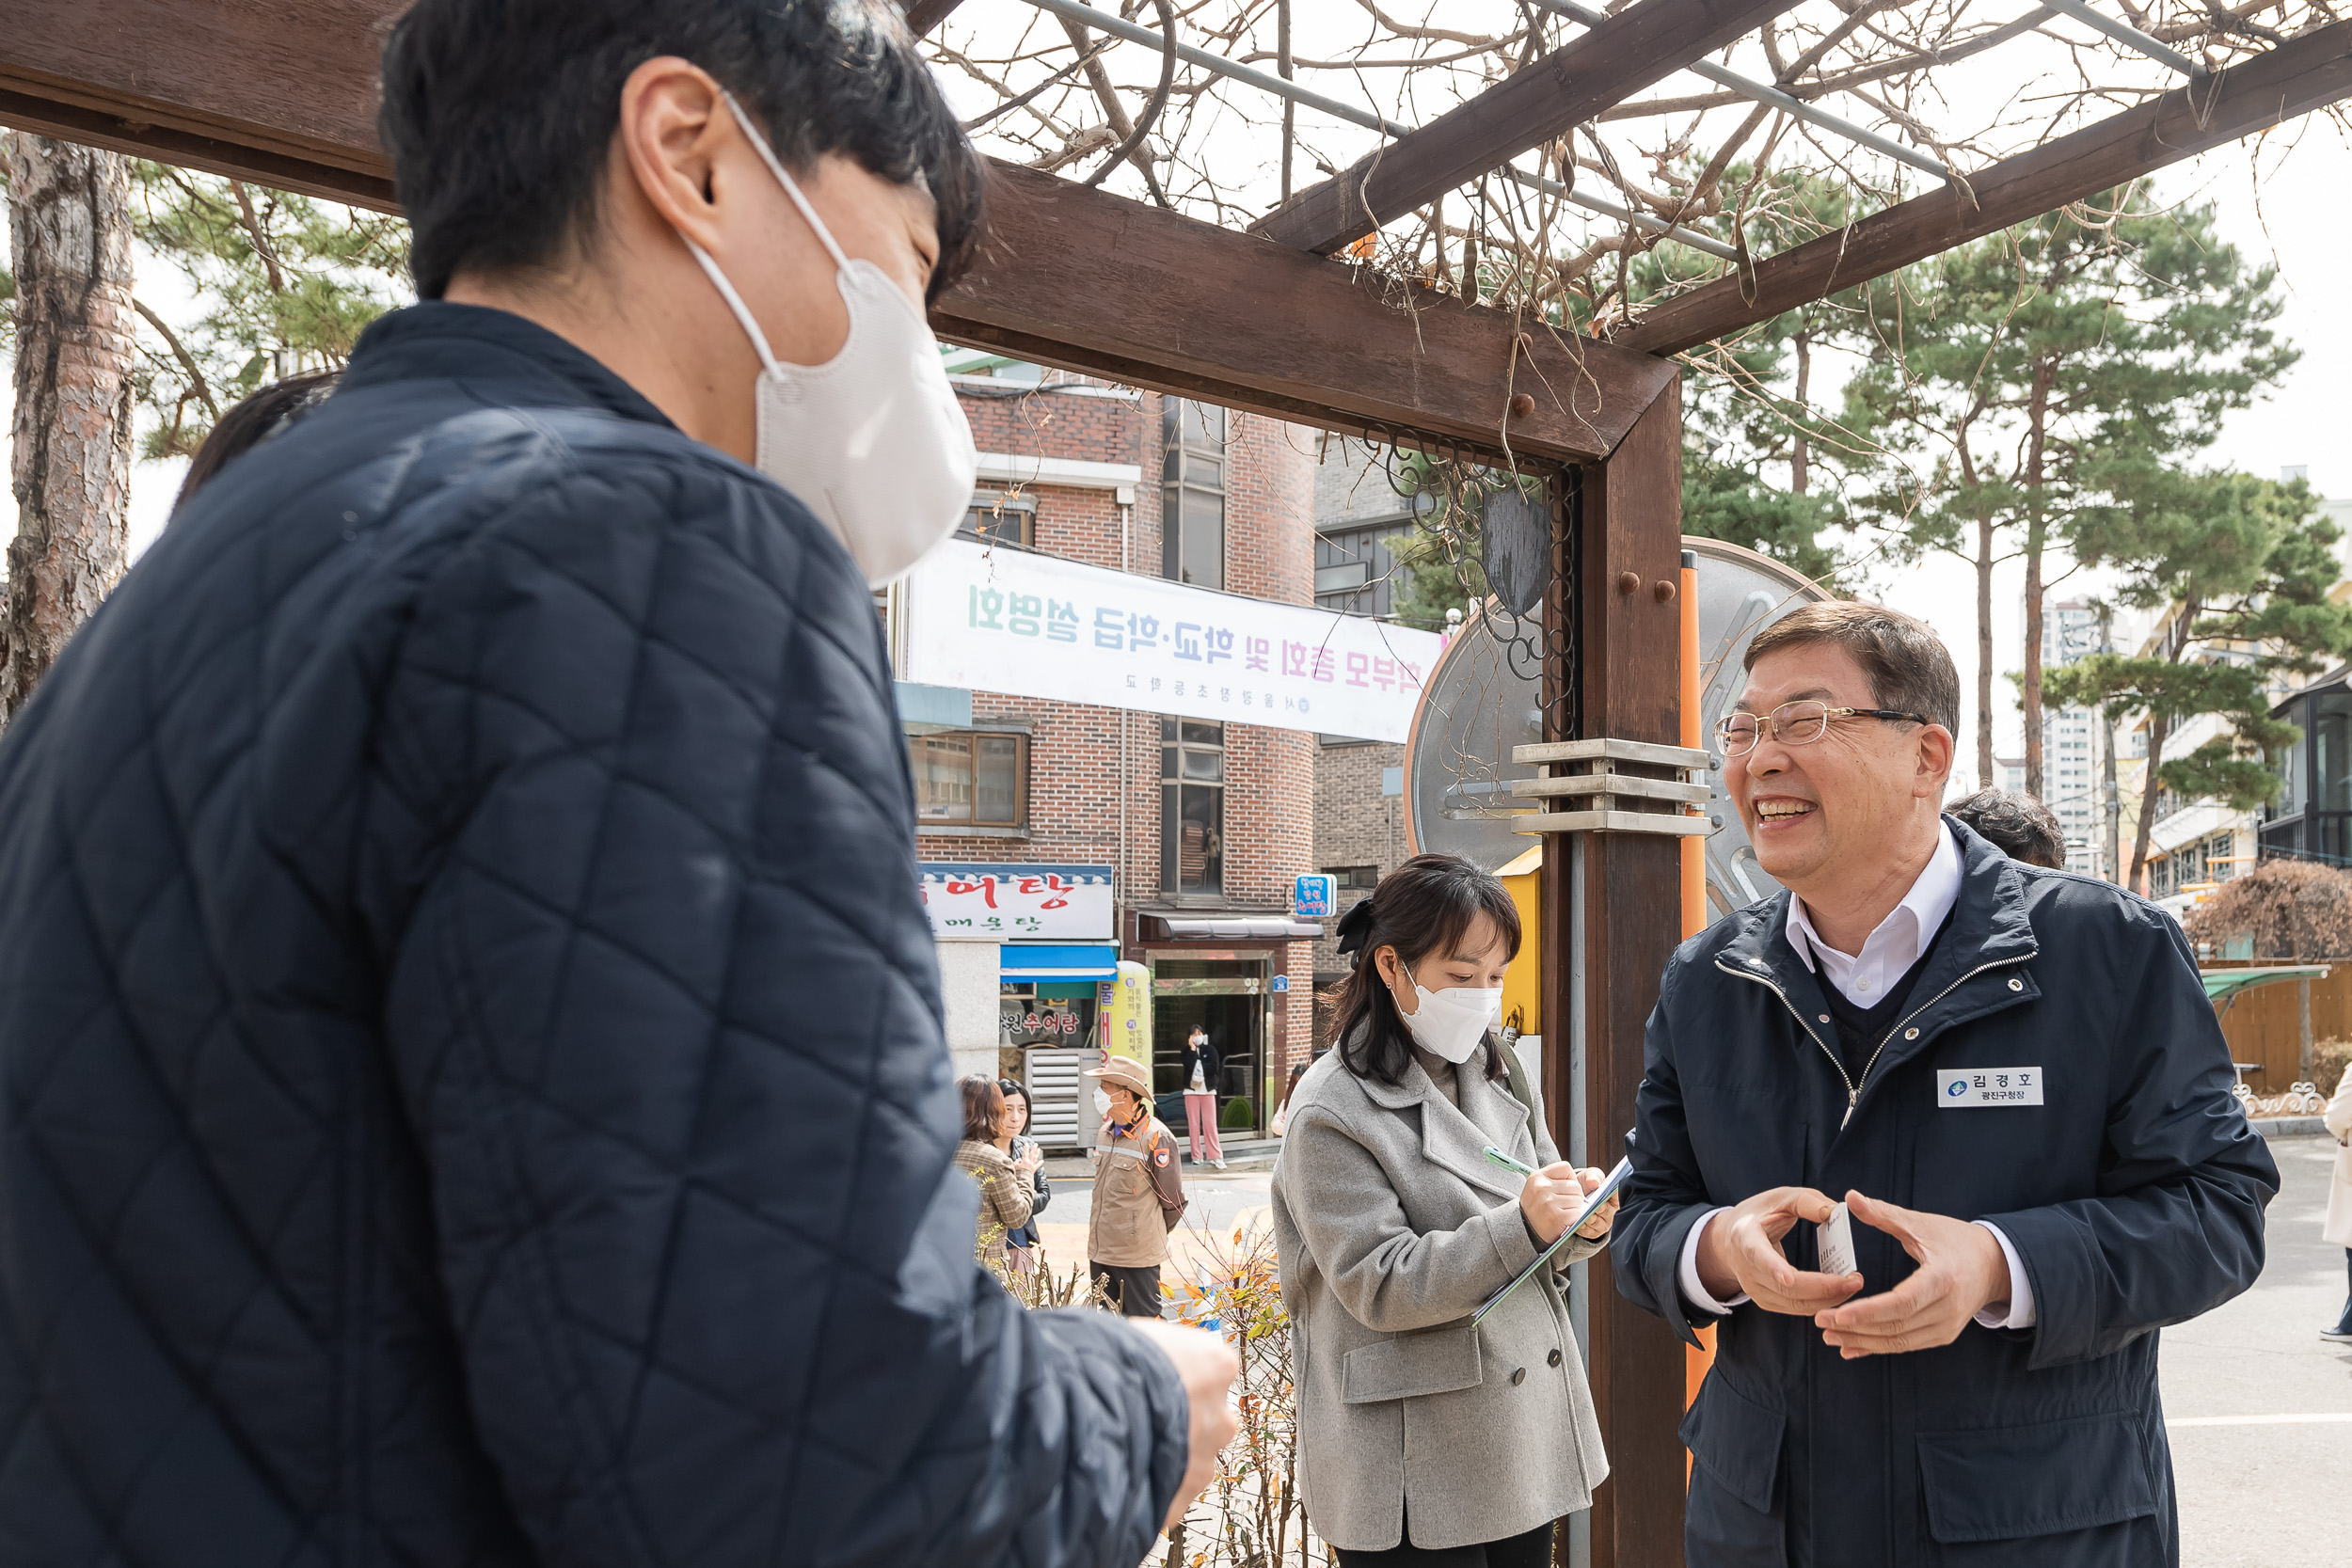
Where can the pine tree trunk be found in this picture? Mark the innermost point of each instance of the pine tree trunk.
(2038, 420)
(69, 238)
(2157, 727)
(1986, 779)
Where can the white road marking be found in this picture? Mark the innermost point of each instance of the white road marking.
(2313, 1419)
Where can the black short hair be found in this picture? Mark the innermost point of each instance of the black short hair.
(499, 114)
(273, 409)
(2016, 824)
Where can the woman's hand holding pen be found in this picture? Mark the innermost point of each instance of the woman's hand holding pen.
(1555, 1195)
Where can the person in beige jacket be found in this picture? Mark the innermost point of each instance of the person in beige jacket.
(2339, 1227)
(1138, 1193)
(1422, 1438)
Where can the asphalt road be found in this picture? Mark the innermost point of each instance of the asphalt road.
(2258, 1407)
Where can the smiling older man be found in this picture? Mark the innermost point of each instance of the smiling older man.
(2011, 1077)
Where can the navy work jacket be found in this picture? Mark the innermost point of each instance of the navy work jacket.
(2134, 1193)
(470, 1041)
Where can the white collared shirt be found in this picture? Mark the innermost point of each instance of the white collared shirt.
(1896, 943)
(1887, 954)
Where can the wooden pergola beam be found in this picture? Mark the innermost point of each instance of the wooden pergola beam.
(1094, 283)
(1070, 277)
(1639, 47)
(2306, 73)
(281, 92)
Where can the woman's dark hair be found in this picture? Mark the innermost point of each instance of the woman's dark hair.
(248, 423)
(499, 114)
(1426, 906)
(1008, 1087)
(983, 1108)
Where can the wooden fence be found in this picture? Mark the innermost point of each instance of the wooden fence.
(2263, 1025)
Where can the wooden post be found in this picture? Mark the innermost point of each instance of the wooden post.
(1629, 546)
(2303, 1029)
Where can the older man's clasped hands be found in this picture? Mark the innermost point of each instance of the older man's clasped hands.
(1961, 1272)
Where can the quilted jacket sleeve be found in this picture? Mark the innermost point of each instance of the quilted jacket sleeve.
(664, 1019)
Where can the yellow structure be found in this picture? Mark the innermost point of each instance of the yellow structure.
(1523, 982)
(1127, 1013)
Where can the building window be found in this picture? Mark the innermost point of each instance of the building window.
(971, 780)
(1347, 877)
(1192, 806)
(1354, 571)
(1192, 511)
(1005, 519)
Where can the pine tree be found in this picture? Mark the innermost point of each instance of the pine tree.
(2241, 568)
(283, 284)
(2004, 366)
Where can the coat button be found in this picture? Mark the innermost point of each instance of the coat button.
(1519, 1376)
(1554, 1360)
(1825, 1017)
(1911, 1034)
(2017, 985)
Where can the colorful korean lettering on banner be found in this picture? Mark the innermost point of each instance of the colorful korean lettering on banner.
(1035, 626)
(1018, 902)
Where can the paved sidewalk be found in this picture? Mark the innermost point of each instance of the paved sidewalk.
(2262, 1483)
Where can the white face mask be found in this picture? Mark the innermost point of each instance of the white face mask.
(873, 440)
(1450, 1024)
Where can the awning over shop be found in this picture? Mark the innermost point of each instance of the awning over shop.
(2222, 983)
(1256, 928)
(1037, 962)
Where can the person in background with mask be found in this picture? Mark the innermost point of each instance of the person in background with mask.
(1200, 1067)
(1138, 1193)
(1422, 1438)
(475, 1088)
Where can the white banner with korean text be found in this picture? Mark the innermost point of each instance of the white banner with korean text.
(1036, 625)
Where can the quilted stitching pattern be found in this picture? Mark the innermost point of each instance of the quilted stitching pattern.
(468, 1040)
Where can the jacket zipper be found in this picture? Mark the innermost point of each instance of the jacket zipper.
(1854, 1086)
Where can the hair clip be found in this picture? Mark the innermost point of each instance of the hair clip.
(1356, 927)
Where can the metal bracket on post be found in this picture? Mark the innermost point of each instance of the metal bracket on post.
(1629, 786)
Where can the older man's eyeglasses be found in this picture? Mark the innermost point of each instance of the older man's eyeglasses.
(1795, 724)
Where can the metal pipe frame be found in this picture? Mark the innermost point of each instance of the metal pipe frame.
(1774, 98)
(2128, 36)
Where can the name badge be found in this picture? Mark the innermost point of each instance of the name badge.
(1961, 1087)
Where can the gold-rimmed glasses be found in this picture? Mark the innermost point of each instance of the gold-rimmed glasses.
(1795, 724)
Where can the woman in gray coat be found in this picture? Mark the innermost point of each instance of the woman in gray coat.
(1423, 1439)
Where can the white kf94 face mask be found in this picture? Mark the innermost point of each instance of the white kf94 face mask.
(873, 440)
(1450, 1024)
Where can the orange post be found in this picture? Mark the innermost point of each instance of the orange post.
(1695, 1362)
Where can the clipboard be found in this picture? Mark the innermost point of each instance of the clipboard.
(1608, 1189)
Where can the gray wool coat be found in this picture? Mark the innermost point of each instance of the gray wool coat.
(1391, 1228)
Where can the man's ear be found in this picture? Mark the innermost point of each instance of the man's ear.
(674, 119)
(1936, 750)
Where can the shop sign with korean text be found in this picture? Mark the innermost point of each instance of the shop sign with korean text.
(1018, 902)
(1036, 625)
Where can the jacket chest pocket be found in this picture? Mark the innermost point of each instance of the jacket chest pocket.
(1128, 1177)
(1408, 1366)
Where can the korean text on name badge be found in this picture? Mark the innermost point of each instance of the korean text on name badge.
(1959, 1088)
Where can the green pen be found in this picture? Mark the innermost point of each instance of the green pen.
(1507, 1162)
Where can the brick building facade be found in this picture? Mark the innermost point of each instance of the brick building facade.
(1092, 474)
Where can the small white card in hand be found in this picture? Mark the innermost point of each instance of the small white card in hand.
(1836, 1243)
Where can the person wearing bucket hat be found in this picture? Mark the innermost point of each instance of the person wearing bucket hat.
(1138, 1192)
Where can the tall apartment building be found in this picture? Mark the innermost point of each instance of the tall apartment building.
(1185, 835)
(2071, 768)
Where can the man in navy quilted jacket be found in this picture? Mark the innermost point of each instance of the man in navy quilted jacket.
(474, 1091)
